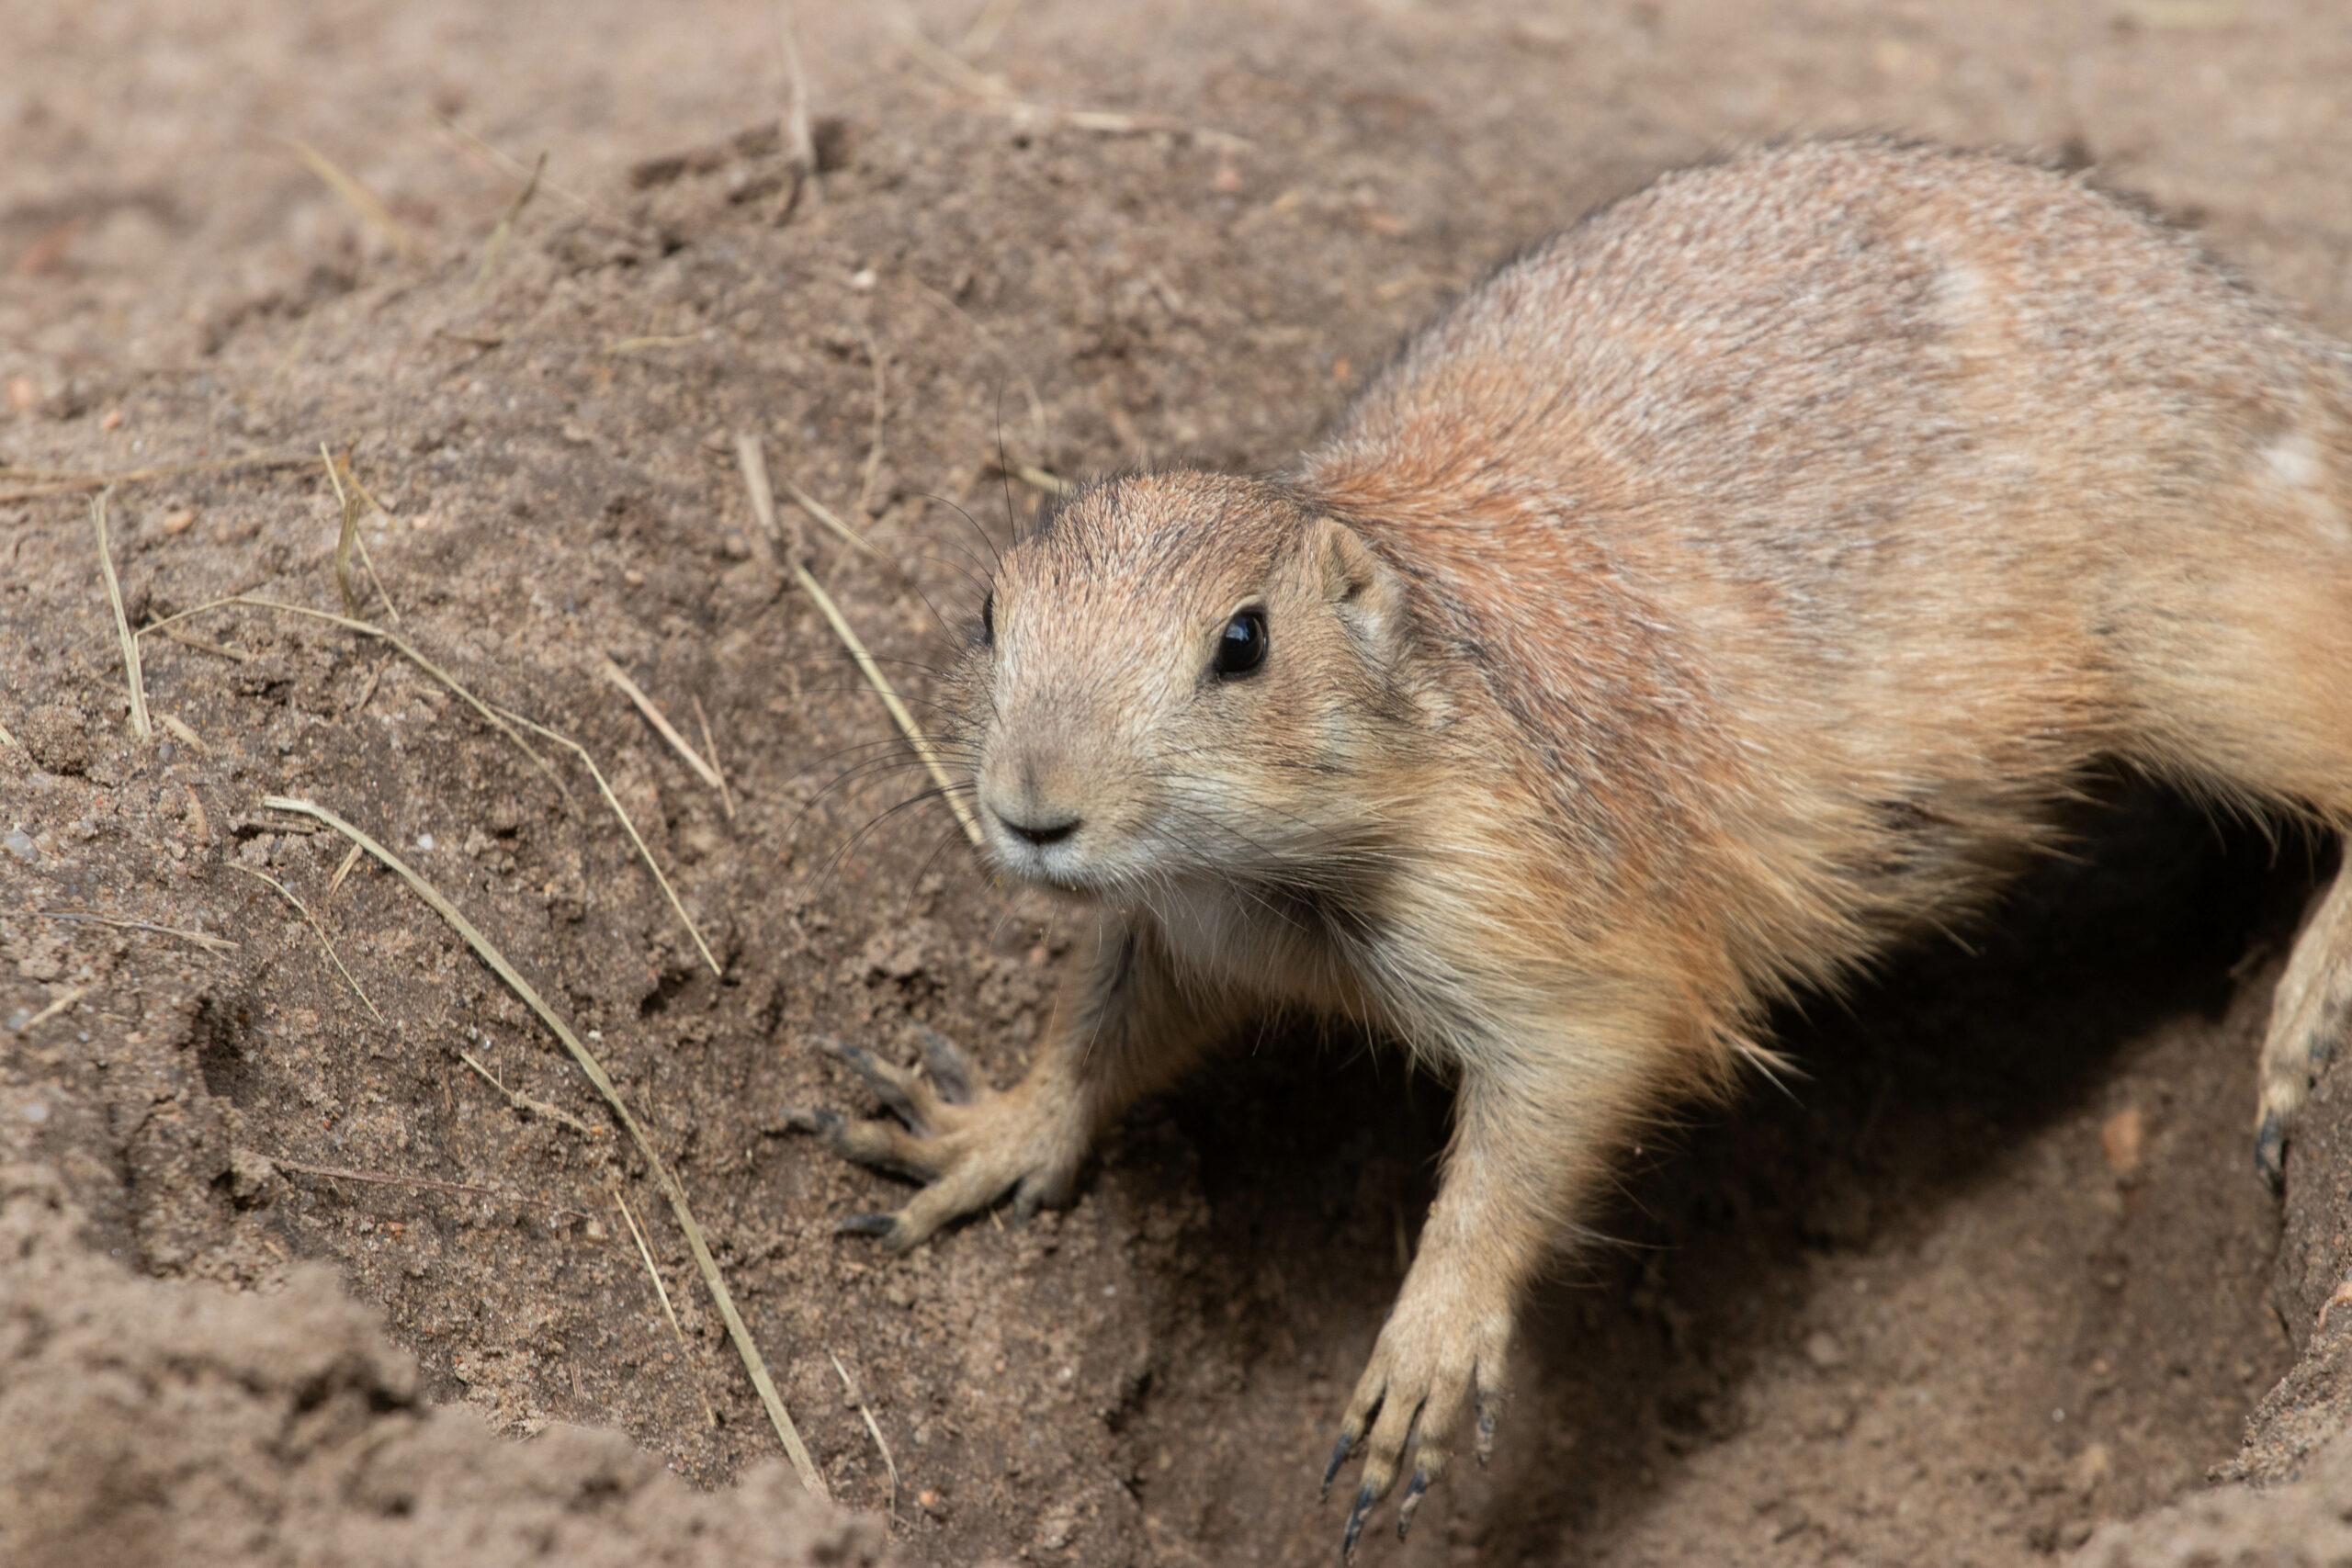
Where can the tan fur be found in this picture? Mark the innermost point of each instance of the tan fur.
(1725, 589)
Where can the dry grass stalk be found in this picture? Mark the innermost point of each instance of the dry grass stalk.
(1037, 479)
(645, 855)
(203, 647)
(799, 138)
(368, 628)
(992, 91)
(874, 1429)
(357, 197)
(755, 1364)
(755, 464)
(349, 860)
(59, 483)
(349, 534)
(672, 340)
(653, 715)
(981, 35)
(209, 943)
(538, 1108)
(428, 1184)
(8, 740)
(819, 511)
(139, 725)
(507, 164)
(324, 941)
(351, 501)
(710, 750)
(645, 1254)
(505, 227)
(57, 1004)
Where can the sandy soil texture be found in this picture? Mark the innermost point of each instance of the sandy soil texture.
(283, 1269)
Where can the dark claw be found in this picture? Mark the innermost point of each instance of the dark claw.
(2270, 1153)
(867, 1225)
(1485, 1438)
(1339, 1451)
(1356, 1516)
(877, 1079)
(826, 1125)
(950, 1069)
(1410, 1500)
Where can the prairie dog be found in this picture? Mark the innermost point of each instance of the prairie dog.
(1724, 588)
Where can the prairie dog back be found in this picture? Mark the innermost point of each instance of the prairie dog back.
(1943, 474)
(1722, 590)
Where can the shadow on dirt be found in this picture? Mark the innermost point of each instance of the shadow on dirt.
(1317, 1167)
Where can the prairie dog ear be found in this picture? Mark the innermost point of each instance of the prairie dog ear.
(1367, 593)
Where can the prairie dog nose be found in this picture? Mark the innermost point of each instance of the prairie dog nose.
(1041, 832)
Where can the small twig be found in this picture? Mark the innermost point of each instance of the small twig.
(358, 197)
(209, 943)
(57, 1004)
(62, 484)
(195, 809)
(455, 1189)
(654, 715)
(498, 235)
(710, 750)
(324, 941)
(8, 740)
(538, 1108)
(343, 871)
(645, 1252)
(755, 1364)
(629, 825)
(755, 480)
(874, 446)
(139, 725)
(857, 1397)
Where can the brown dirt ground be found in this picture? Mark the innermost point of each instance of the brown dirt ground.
(1995, 1274)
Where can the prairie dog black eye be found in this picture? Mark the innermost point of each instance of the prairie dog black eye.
(988, 620)
(1242, 647)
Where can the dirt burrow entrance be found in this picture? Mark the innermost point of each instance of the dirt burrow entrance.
(1993, 1272)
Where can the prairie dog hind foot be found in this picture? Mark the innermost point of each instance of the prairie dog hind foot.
(2311, 1013)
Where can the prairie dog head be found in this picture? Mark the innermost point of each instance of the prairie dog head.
(1179, 676)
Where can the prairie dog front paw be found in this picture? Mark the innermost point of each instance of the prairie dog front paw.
(969, 1144)
(1446, 1339)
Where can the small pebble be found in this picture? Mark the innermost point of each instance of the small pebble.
(2123, 1139)
(424, 840)
(36, 1112)
(178, 522)
(20, 844)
